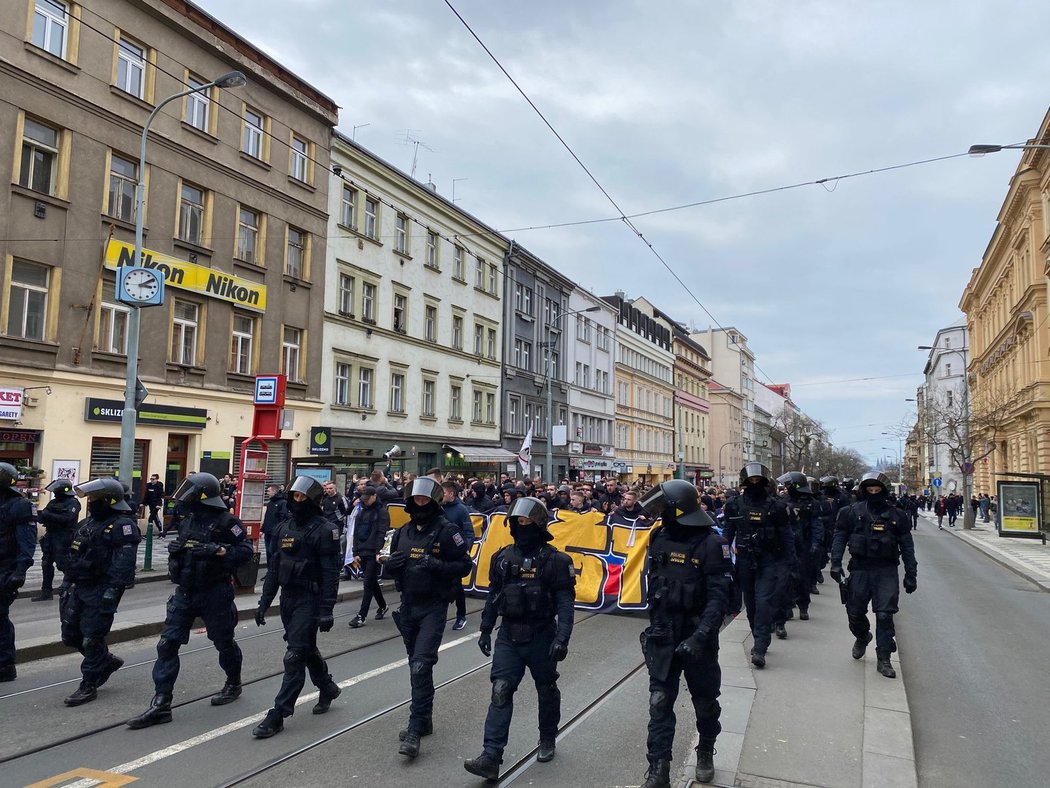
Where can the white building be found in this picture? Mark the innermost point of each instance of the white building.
(591, 361)
(943, 393)
(733, 365)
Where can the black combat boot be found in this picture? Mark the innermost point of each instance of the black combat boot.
(8, 673)
(272, 724)
(860, 645)
(428, 728)
(326, 696)
(409, 744)
(705, 760)
(545, 751)
(113, 664)
(883, 666)
(44, 595)
(159, 712)
(803, 615)
(485, 765)
(758, 659)
(659, 775)
(780, 631)
(230, 691)
(85, 693)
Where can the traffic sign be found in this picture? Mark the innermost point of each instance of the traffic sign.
(937, 482)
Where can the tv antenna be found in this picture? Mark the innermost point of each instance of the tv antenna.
(416, 143)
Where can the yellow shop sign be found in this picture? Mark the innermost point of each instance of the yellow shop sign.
(190, 276)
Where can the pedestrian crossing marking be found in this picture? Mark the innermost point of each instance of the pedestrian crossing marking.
(103, 779)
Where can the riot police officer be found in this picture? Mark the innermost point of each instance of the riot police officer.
(849, 487)
(532, 586)
(428, 556)
(829, 501)
(211, 544)
(59, 518)
(17, 546)
(689, 577)
(758, 522)
(808, 534)
(305, 567)
(879, 537)
(99, 566)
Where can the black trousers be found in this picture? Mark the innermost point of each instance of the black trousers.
(216, 608)
(85, 623)
(703, 677)
(421, 626)
(881, 588)
(53, 543)
(300, 611)
(370, 569)
(758, 579)
(154, 517)
(7, 629)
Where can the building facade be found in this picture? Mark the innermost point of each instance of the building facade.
(944, 399)
(727, 441)
(236, 206)
(413, 325)
(692, 406)
(733, 365)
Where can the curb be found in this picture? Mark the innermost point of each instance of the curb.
(136, 630)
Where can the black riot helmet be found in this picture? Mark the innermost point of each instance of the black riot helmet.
(308, 486)
(753, 469)
(874, 477)
(529, 511)
(104, 488)
(796, 483)
(425, 486)
(849, 483)
(202, 488)
(676, 501)
(829, 483)
(8, 474)
(60, 487)
(814, 485)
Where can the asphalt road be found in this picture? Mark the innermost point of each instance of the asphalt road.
(974, 643)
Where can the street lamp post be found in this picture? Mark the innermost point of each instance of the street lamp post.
(548, 469)
(981, 150)
(900, 456)
(721, 475)
(232, 79)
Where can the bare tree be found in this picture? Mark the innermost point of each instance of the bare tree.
(802, 438)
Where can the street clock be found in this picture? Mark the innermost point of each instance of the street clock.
(138, 286)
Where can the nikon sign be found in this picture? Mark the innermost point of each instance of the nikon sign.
(190, 276)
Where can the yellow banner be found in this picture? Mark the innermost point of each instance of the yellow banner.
(190, 276)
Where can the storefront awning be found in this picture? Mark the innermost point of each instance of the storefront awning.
(483, 453)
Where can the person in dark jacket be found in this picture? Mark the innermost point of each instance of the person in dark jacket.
(370, 529)
(458, 514)
(276, 512)
(17, 546)
(153, 499)
(611, 498)
(59, 519)
(480, 500)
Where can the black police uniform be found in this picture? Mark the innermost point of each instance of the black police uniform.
(689, 578)
(879, 537)
(434, 559)
(830, 501)
(808, 533)
(59, 519)
(99, 566)
(758, 521)
(204, 588)
(17, 546)
(305, 566)
(529, 589)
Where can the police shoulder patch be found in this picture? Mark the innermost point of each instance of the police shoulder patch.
(237, 530)
(725, 551)
(335, 534)
(457, 537)
(129, 529)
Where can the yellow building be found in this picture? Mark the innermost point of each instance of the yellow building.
(1005, 303)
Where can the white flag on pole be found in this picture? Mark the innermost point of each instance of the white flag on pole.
(525, 453)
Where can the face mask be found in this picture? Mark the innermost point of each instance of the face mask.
(301, 510)
(528, 536)
(98, 508)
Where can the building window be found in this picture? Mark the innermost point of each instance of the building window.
(455, 404)
(39, 157)
(131, 67)
(342, 383)
(583, 329)
(248, 235)
(296, 257)
(123, 181)
(401, 233)
(950, 398)
(371, 216)
(947, 370)
(198, 103)
(603, 338)
(300, 159)
(50, 25)
(523, 354)
(475, 414)
(551, 311)
(457, 332)
(291, 345)
(346, 295)
(479, 339)
(430, 323)
(349, 201)
(397, 387)
(252, 140)
(523, 299)
(368, 302)
(479, 273)
(428, 398)
(490, 408)
(27, 307)
(432, 250)
(364, 387)
(113, 328)
(492, 343)
(241, 344)
(493, 279)
(184, 332)
(512, 416)
(457, 263)
(400, 313)
(191, 214)
(554, 369)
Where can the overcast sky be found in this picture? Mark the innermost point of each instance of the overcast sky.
(672, 102)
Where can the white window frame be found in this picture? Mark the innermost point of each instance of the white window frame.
(34, 298)
(242, 344)
(479, 339)
(427, 398)
(400, 315)
(109, 317)
(52, 25)
(365, 378)
(368, 302)
(457, 262)
(292, 267)
(457, 332)
(397, 391)
(299, 167)
(431, 256)
(183, 329)
(401, 233)
(493, 278)
(198, 104)
(191, 214)
(346, 294)
(371, 217)
(36, 150)
(513, 426)
(342, 377)
(348, 207)
(491, 343)
(252, 136)
(121, 201)
(476, 411)
(455, 402)
(430, 318)
(291, 352)
(131, 60)
(248, 235)
(479, 273)
(490, 408)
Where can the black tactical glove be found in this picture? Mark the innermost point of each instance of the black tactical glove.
(910, 584)
(836, 572)
(396, 561)
(694, 646)
(15, 580)
(326, 622)
(558, 651)
(174, 547)
(111, 598)
(207, 549)
(425, 562)
(485, 643)
(260, 616)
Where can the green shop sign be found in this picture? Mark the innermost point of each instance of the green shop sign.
(162, 415)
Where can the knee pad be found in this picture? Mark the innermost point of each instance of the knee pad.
(294, 659)
(659, 704)
(884, 620)
(167, 648)
(502, 693)
(707, 709)
(548, 692)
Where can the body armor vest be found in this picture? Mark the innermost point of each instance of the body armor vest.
(415, 583)
(676, 577)
(872, 536)
(755, 532)
(89, 554)
(8, 541)
(526, 598)
(60, 515)
(297, 546)
(188, 570)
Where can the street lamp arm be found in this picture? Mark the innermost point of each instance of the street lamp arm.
(982, 149)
